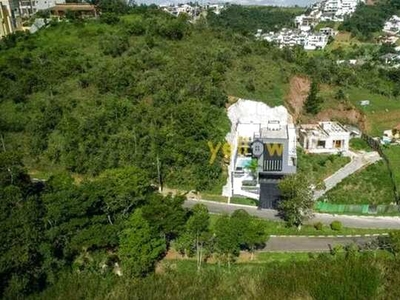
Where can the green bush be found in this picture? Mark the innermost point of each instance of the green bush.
(318, 226)
(336, 225)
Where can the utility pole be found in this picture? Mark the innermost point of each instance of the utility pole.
(160, 187)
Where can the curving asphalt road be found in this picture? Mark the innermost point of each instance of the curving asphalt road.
(270, 214)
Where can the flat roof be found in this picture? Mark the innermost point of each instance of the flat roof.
(324, 129)
(274, 133)
(73, 6)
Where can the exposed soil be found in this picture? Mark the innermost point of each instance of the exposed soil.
(345, 114)
(298, 91)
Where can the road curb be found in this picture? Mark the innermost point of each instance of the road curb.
(330, 236)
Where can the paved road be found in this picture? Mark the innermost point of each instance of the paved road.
(270, 214)
(310, 244)
(358, 161)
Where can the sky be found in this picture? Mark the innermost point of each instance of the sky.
(243, 2)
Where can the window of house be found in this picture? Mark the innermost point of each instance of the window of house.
(321, 144)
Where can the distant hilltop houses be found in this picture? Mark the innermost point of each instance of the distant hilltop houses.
(14, 12)
(295, 37)
(192, 9)
(304, 34)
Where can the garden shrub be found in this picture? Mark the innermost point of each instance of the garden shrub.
(336, 225)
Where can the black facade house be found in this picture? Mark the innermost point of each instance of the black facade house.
(275, 149)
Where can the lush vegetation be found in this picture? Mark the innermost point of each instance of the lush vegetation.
(369, 19)
(112, 101)
(359, 144)
(320, 166)
(147, 86)
(282, 228)
(248, 19)
(350, 275)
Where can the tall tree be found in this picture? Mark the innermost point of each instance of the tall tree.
(227, 242)
(312, 104)
(297, 199)
(166, 215)
(255, 235)
(197, 228)
(140, 246)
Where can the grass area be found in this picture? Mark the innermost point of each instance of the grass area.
(244, 201)
(213, 197)
(383, 113)
(280, 228)
(393, 154)
(359, 144)
(250, 80)
(267, 257)
(371, 185)
(320, 166)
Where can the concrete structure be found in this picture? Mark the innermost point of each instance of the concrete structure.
(393, 134)
(266, 135)
(6, 26)
(30, 7)
(82, 9)
(324, 137)
(9, 17)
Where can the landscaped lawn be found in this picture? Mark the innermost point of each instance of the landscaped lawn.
(243, 200)
(393, 154)
(280, 228)
(359, 144)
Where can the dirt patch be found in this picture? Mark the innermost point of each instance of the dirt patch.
(345, 114)
(298, 91)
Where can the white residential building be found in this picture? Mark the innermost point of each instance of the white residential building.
(295, 37)
(266, 135)
(392, 25)
(30, 7)
(324, 137)
(10, 19)
(316, 41)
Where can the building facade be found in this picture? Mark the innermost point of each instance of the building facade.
(324, 137)
(275, 150)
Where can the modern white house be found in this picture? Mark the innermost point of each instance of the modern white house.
(265, 135)
(324, 137)
(316, 41)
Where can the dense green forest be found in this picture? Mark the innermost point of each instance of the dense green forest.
(248, 19)
(105, 100)
(126, 90)
(369, 19)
